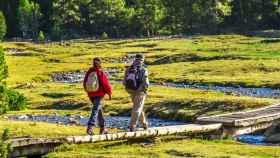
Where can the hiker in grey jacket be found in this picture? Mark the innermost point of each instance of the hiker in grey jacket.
(136, 83)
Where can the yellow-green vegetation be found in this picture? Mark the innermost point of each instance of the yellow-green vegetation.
(42, 130)
(225, 59)
(36, 129)
(167, 148)
(219, 60)
(172, 103)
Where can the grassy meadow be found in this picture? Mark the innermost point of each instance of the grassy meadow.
(230, 60)
(167, 147)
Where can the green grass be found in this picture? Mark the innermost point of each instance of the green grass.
(194, 148)
(35, 129)
(217, 60)
(171, 103)
(256, 73)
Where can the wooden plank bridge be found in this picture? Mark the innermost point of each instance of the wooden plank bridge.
(244, 122)
(39, 146)
(226, 124)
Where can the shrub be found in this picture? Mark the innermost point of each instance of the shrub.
(41, 36)
(57, 32)
(104, 35)
(16, 101)
(9, 99)
(5, 148)
(3, 26)
(4, 106)
(3, 66)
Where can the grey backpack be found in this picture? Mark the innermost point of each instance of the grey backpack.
(133, 77)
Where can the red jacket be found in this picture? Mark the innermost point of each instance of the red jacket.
(105, 86)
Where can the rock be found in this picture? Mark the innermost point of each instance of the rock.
(59, 123)
(120, 122)
(272, 134)
(73, 121)
(274, 138)
(78, 117)
(29, 116)
(22, 117)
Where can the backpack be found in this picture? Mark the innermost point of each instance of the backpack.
(92, 82)
(132, 78)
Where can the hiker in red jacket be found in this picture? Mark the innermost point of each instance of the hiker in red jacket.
(96, 84)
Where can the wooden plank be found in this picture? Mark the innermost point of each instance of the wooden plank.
(242, 112)
(245, 118)
(235, 131)
(151, 132)
(256, 120)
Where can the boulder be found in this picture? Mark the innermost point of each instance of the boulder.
(272, 134)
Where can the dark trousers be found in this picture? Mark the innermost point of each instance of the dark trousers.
(96, 117)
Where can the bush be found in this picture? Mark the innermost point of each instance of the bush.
(41, 36)
(5, 148)
(57, 32)
(3, 66)
(11, 100)
(104, 35)
(4, 106)
(16, 101)
(3, 26)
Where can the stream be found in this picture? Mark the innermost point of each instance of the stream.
(76, 77)
(119, 122)
(254, 139)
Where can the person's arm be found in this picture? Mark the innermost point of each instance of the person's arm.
(145, 81)
(124, 78)
(106, 84)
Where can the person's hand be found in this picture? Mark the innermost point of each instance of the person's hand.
(110, 96)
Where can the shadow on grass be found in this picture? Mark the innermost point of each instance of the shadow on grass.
(115, 42)
(52, 60)
(144, 45)
(26, 54)
(176, 153)
(189, 111)
(273, 40)
(163, 49)
(65, 105)
(193, 57)
(57, 95)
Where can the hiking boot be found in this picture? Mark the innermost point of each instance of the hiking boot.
(132, 129)
(103, 131)
(89, 130)
(145, 126)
